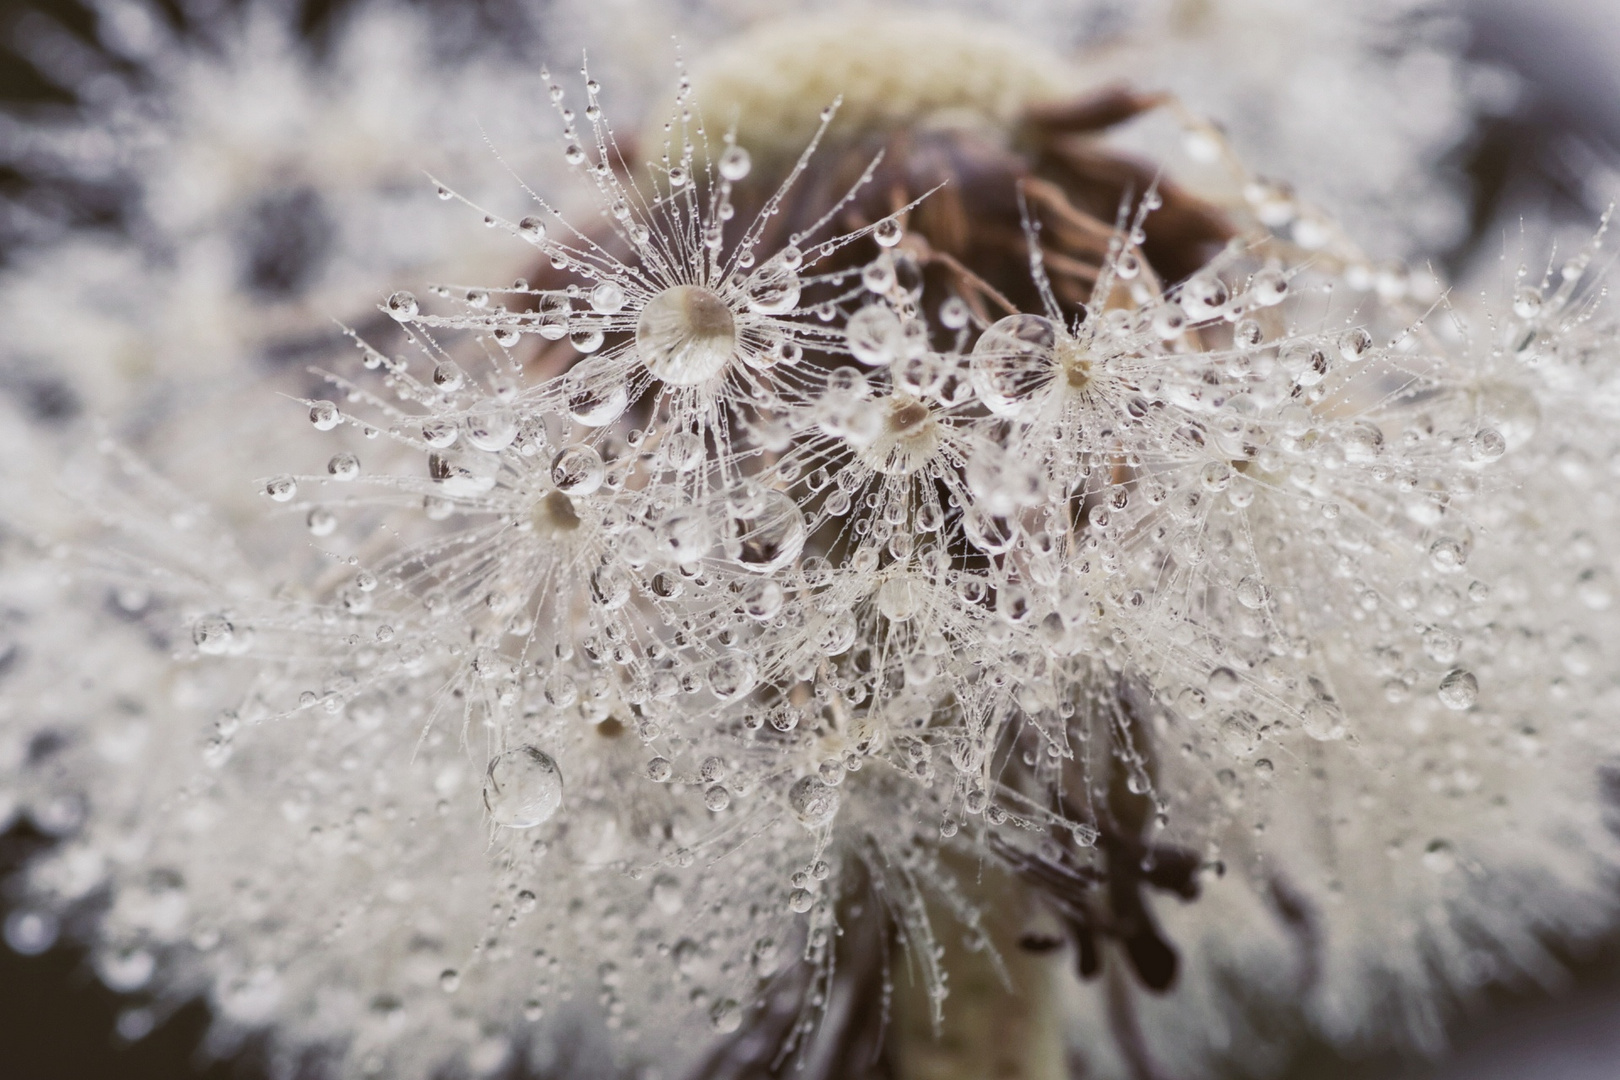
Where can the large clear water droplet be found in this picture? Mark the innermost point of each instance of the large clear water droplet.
(686, 335)
(523, 788)
(578, 470)
(596, 398)
(769, 535)
(607, 298)
(1014, 363)
(874, 335)
(773, 289)
(402, 306)
(324, 415)
(491, 427)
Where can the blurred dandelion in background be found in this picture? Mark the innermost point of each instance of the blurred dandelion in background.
(547, 539)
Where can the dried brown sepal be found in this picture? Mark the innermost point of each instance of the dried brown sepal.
(968, 235)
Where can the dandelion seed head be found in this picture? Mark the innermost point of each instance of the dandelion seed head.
(756, 574)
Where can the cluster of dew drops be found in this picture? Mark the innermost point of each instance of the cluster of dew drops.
(827, 552)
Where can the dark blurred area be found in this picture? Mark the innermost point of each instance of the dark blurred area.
(58, 1022)
(1550, 154)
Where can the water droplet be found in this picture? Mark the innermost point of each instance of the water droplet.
(324, 415)
(1252, 592)
(887, 232)
(659, 770)
(439, 433)
(448, 376)
(463, 475)
(1014, 365)
(773, 289)
(1240, 734)
(813, 802)
(1169, 321)
(801, 900)
(717, 798)
(732, 676)
(610, 588)
(321, 521)
(1215, 476)
(555, 314)
(684, 536)
(402, 306)
(1527, 303)
(561, 691)
(1448, 555)
(954, 313)
(874, 335)
(1224, 684)
(878, 275)
(1439, 857)
(683, 450)
(686, 335)
(523, 788)
(607, 298)
(1459, 689)
(1204, 295)
(735, 163)
(344, 466)
(1322, 720)
(587, 339)
(450, 980)
(578, 470)
(898, 598)
(1269, 288)
(1487, 444)
(766, 535)
(1355, 344)
(533, 229)
(989, 532)
(491, 427)
(596, 399)
(725, 1016)
(1308, 365)
(1441, 646)
(213, 635)
(1084, 835)
(281, 488)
